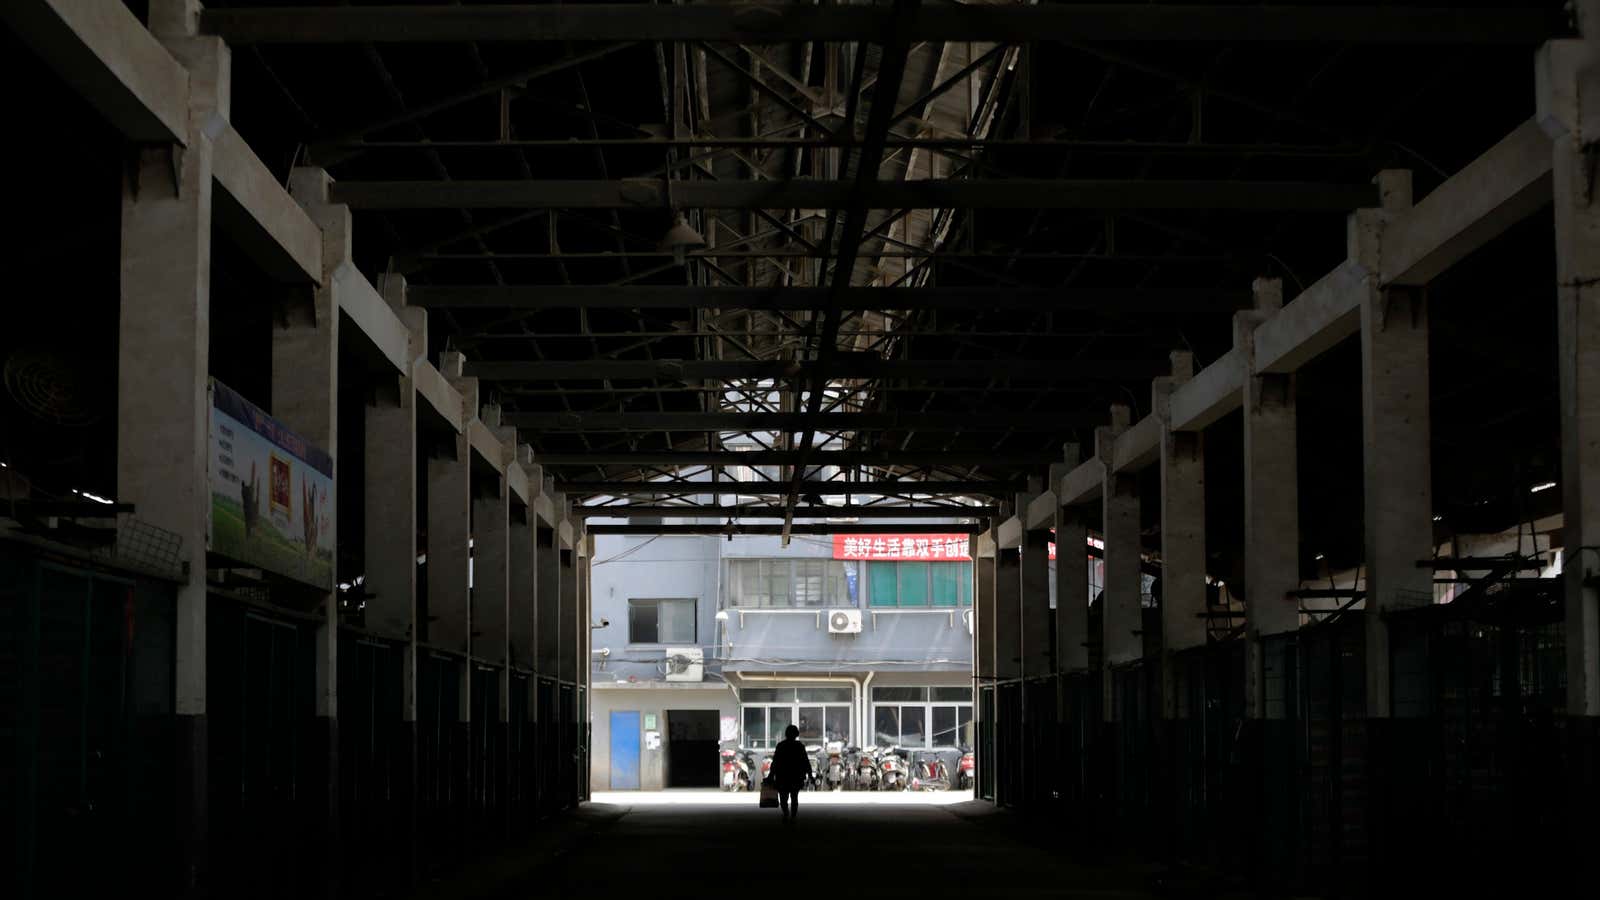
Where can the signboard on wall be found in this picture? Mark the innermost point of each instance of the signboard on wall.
(901, 547)
(271, 493)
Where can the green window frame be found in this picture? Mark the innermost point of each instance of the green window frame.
(919, 585)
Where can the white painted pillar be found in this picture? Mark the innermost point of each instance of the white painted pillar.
(1183, 532)
(1120, 606)
(1271, 498)
(1569, 110)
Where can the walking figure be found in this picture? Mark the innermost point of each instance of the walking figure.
(791, 766)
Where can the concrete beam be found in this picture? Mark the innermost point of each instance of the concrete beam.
(486, 445)
(1502, 187)
(439, 394)
(1138, 447)
(1083, 484)
(766, 23)
(1324, 314)
(1041, 512)
(1008, 534)
(261, 216)
(112, 61)
(983, 546)
(1217, 390)
(373, 317)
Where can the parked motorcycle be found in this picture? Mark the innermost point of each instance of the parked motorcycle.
(892, 766)
(966, 771)
(864, 770)
(929, 772)
(833, 768)
(735, 769)
(819, 761)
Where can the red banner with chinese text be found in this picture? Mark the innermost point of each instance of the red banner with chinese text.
(901, 547)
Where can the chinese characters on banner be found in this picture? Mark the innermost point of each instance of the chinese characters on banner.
(901, 547)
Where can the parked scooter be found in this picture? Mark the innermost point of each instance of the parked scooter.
(833, 769)
(892, 766)
(966, 770)
(863, 775)
(819, 762)
(735, 769)
(929, 771)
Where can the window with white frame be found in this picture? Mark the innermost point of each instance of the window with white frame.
(790, 583)
(661, 621)
(922, 717)
(821, 713)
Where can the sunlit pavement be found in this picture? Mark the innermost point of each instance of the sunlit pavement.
(807, 798)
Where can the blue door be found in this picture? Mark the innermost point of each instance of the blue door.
(625, 751)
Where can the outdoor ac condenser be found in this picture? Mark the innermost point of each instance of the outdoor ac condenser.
(686, 664)
(844, 621)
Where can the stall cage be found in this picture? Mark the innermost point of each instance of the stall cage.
(86, 661)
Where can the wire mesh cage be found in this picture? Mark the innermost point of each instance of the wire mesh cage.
(149, 547)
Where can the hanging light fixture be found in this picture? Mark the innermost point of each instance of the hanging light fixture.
(681, 238)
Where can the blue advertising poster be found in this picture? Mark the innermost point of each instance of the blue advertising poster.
(851, 582)
(271, 493)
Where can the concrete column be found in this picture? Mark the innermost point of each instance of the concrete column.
(450, 525)
(1397, 470)
(1072, 577)
(1008, 613)
(491, 573)
(1120, 606)
(524, 550)
(162, 401)
(1035, 604)
(567, 622)
(1569, 83)
(1271, 498)
(305, 397)
(983, 609)
(547, 597)
(390, 496)
(1183, 533)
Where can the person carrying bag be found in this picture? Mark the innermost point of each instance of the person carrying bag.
(791, 766)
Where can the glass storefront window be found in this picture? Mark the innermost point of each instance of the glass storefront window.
(837, 723)
(755, 727)
(886, 725)
(810, 724)
(913, 731)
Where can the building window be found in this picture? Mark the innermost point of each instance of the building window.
(916, 585)
(919, 717)
(661, 622)
(790, 583)
(821, 714)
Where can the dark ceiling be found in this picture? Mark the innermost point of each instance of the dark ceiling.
(1157, 111)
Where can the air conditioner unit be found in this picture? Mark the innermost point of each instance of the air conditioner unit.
(687, 664)
(844, 621)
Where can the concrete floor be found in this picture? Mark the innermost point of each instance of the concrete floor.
(697, 845)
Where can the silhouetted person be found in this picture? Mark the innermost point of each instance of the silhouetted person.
(791, 766)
